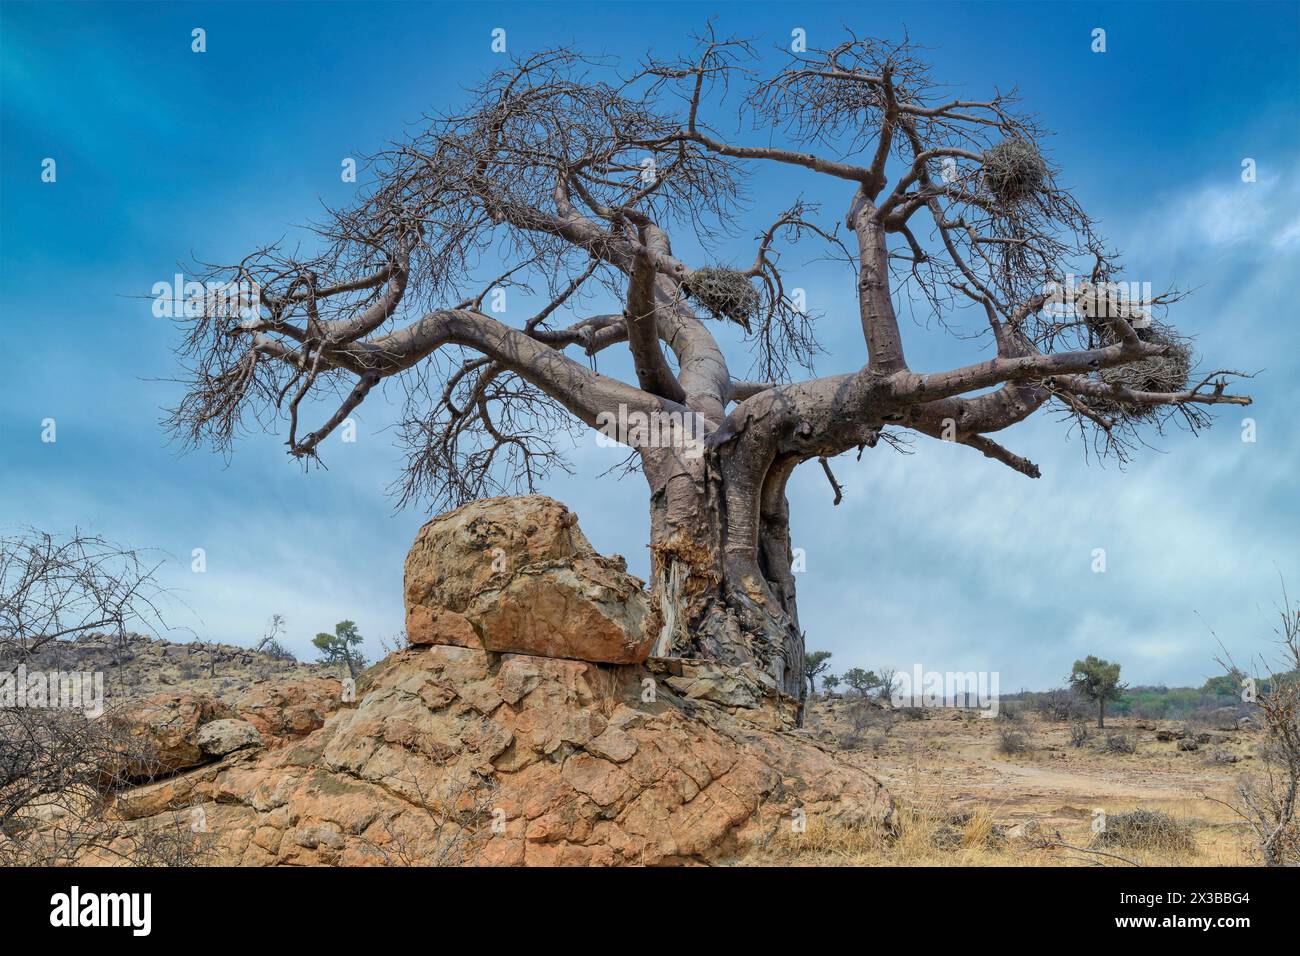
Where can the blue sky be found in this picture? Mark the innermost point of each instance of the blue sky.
(940, 558)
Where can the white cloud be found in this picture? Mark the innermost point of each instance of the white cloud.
(1288, 236)
(1246, 217)
(948, 559)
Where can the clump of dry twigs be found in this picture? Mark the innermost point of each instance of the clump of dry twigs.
(726, 293)
(1267, 799)
(1161, 373)
(1014, 170)
(1146, 830)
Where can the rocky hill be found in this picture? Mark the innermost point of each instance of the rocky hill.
(140, 666)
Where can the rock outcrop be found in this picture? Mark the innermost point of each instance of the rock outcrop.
(460, 756)
(516, 575)
(457, 753)
(139, 666)
(285, 710)
(167, 733)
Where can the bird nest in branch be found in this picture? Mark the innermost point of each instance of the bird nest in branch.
(1161, 373)
(726, 293)
(1014, 171)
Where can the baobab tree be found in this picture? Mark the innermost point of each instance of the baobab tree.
(576, 176)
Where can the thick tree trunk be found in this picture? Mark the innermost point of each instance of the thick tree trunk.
(721, 564)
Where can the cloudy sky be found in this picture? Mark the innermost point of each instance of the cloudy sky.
(940, 557)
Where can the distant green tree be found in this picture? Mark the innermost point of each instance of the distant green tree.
(830, 682)
(342, 647)
(1098, 681)
(1225, 685)
(860, 680)
(813, 665)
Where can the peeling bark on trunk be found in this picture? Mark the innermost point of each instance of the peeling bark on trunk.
(720, 560)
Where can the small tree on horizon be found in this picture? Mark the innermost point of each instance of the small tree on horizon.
(270, 643)
(813, 665)
(342, 647)
(860, 680)
(830, 682)
(1098, 681)
(885, 684)
(1225, 685)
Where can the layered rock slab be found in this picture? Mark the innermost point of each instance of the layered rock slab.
(517, 575)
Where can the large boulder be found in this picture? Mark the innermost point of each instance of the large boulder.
(516, 575)
(161, 732)
(220, 737)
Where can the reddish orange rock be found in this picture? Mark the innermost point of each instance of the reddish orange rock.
(516, 575)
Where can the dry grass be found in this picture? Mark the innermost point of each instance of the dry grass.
(926, 835)
(921, 835)
(960, 801)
